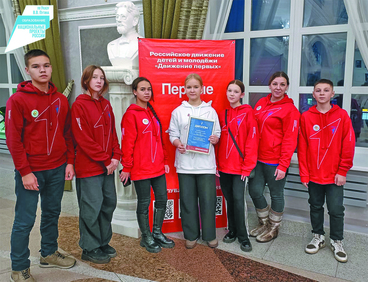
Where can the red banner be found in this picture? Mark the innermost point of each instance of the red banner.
(166, 63)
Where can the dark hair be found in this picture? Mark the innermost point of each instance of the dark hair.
(279, 74)
(324, 80)
(34, 53)
(87, 76)
(135, 87)
(195, 76)
(137, 81)
(237, 82)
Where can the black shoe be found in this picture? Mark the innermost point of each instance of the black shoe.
(157, 234)
(147, 240)
(163, 241)
(110, 251)
(96, 256)
(246, 246)
(229, 237)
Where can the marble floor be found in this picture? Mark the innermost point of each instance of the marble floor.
(285, 253)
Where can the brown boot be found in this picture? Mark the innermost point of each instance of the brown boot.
(272, 227)
(262, 221)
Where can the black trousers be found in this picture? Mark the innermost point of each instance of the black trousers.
(194, 187)
(143, 190)
(233, 189)
(334, 196)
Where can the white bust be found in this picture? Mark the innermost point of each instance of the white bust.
(124, 50)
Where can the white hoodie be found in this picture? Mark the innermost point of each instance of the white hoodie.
(193, 163)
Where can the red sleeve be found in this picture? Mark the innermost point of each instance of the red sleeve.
(116, 152)
(14, 130)
(166, 156)
(70, 154)
(348, 147)
(83, 136)
(251, 145)
(302, 152)
(221, 118)
(128, 137)
(290, 125)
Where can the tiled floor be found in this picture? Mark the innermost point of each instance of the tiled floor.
(286, 252)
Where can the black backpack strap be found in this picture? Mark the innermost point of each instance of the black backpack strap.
(232, 137)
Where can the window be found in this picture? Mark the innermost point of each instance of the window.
(323, 56)
(324, 12)
(359, 118)
(309, 40)
(360, 73)
(10, 75)
(267, 55)
(270, 14)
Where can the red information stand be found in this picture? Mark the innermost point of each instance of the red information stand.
(166, 63)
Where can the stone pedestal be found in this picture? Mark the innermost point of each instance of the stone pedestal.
(120, 95)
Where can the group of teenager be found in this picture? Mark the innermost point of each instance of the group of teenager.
(48, 141)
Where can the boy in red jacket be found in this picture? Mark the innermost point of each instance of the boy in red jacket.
(325, 154)
(39, 139)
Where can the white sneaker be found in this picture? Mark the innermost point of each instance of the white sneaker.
(318, 242)
(338, 250)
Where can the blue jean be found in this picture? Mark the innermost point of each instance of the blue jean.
(334, 196)
(97, 202)
(265, 173)
(143, 190)
(51, 188)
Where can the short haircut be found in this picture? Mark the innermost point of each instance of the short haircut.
(279, 74)
(34, 53)
(324, 80)
(195, 76)
(87, 76)
(237, 82)
(140, 79)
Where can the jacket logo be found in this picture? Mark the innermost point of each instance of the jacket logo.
(229, 142)
(316, 127)
(258, 108)
(34, 113)
(44, 117)
(148, 129)
(79, 123)
(318, 135)
(270, 112)
(100, 123)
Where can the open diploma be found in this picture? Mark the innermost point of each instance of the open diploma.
(199, 132)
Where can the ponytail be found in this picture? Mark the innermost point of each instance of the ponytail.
(155, 115)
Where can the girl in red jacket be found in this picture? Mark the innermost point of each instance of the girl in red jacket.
(97, 156)
(145, 162)
(236, 157)
(278, 121)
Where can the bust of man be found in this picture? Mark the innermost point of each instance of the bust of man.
(124, 50)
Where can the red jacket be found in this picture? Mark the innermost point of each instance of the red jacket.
(326, 145)
(278, 125)
(143, 153)
(244, 128)
(94, 132)
(38, 131)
